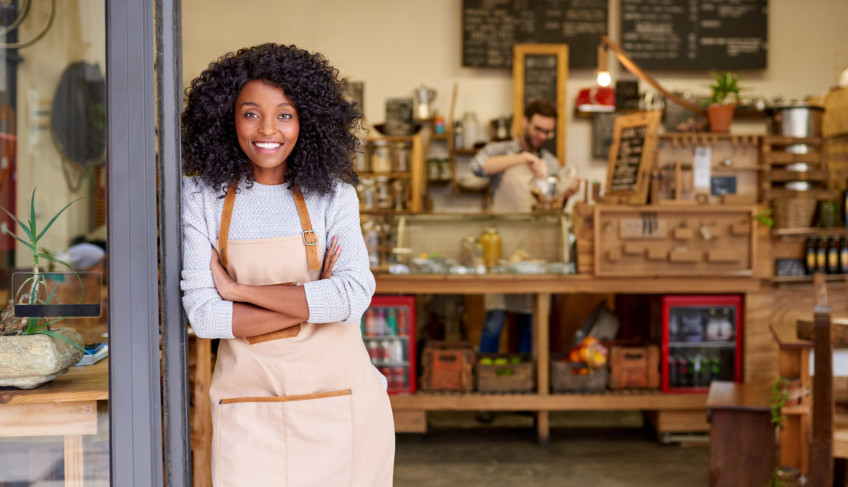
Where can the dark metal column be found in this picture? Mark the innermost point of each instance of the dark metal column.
(174, 340)
(134, 372)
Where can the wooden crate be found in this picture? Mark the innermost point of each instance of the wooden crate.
(634, 367)
(563, 378)
(508, 377)
(448, 366)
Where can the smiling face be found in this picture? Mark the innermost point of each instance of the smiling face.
(537, 131)
(267, 127)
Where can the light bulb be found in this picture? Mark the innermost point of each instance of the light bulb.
(604, 78)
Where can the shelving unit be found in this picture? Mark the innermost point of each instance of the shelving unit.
(414, 183)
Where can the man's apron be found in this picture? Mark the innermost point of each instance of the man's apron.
(302, 406)
(513, 196)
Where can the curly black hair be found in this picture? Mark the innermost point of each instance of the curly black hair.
(327, 141)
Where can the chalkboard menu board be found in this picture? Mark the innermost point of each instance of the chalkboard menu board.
(491, 27)
(541, 71)
(631, 155)
(695, 34)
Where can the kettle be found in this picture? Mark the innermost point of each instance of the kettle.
(424, 97)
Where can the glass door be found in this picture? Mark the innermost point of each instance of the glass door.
(54, 419)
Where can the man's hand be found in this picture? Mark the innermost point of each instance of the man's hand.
(330, 258)
(225, 285)
(536, 165)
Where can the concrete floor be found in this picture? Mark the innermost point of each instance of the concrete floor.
(586, 449)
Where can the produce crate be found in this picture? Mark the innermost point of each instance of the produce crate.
(565, 379)
(507, 373)
(448, 366)
(634, 367)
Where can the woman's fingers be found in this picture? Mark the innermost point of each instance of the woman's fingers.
(330, 258)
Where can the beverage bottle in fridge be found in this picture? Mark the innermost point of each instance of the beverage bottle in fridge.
(391, 321)
(397, 351)
(381, 322)
(399, 376)
(387, 373)
(696, 370)
(673, 377)
(402, 322)
(683, 371)
(370, 322)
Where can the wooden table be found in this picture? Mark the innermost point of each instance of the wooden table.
(742, 437)
(65, 406)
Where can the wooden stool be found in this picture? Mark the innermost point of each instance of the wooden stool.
(742, 437)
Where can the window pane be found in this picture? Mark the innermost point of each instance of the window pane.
(53, 153)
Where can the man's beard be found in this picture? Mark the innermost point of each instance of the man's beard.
(528, 142)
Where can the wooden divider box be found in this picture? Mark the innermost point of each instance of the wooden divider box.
(505, 373)
(448, 366)
(565, 377)
(634, 367)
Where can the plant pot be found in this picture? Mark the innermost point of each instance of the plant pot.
(720, 117)
(27, 361)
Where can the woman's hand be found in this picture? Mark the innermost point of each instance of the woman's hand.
(330, 258)
(225, 285)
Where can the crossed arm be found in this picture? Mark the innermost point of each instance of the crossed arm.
(263, 309)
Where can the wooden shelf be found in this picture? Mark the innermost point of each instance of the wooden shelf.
(705, 138)
(805, 232)
(806, 279)
(611, 400)
(390, 175)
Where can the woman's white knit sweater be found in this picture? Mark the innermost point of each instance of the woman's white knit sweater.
(265, 212)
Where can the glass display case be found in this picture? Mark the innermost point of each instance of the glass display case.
(701, 341)
(452, 243)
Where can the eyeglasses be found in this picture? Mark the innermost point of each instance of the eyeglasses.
(542, 131)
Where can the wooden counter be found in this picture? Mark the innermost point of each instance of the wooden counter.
(674, 412)
(559, 284)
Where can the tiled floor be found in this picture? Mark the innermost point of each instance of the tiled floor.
(586, 449)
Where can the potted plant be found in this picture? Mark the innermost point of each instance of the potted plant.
(32, 353)
(723, 100)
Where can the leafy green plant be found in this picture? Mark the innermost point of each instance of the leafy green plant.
(725, 88)
(34, 290)
(779, 396)
(765, 217)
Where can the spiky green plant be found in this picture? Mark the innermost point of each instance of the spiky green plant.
(37, 286)
(725, 88)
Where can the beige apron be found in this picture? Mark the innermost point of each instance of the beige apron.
(513, 195)
(302, 406)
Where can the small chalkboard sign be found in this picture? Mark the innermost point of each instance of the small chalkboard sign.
(541, 71)
(631, 155)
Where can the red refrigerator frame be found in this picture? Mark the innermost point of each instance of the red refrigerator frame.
(678, 301)
(379, 357)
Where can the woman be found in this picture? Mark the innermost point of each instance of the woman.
(268, 142)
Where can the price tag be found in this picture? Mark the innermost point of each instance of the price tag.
(702, 167)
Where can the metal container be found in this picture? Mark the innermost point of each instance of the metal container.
(796, 120)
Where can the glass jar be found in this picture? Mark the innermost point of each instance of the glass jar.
(399, 194)
(367, 195)
(360, 162)
(492, 247)
(383, 196)
(401, 157)
(381, 160)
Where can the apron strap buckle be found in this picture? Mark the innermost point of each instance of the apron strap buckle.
(314, 239)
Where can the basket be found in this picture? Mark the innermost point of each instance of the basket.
(564, 379)
(506, 377)
(794, 212)
(447, 366)
(634, 367)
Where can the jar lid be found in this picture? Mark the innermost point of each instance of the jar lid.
(491, 230)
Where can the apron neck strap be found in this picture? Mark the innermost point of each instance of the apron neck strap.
(310, 240)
